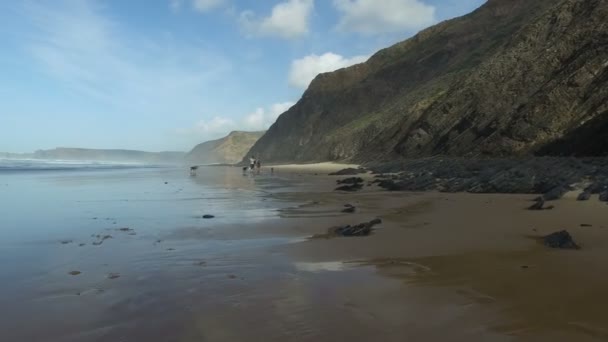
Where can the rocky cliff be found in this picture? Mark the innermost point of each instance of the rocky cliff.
(514, 77)
(227, 150)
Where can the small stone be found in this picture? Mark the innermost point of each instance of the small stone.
(74, 273)
(525, 266)
(586, 225)
(113, 276)
(65, 242)
(231, 276)
(349, 210)
(208, 216)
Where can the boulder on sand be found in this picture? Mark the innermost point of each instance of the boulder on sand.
(349, 172)
(555, 193)
(604, 196)
(349, 210)
(584, 196)
(351, 180)
(561, 240)
(350, 188)
(540, 205)
(362, 229)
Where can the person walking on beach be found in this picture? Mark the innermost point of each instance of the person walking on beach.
(251, 163)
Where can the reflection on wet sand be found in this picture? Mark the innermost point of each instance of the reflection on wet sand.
(438, 268)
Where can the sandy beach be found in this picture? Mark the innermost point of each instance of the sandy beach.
(126, 256)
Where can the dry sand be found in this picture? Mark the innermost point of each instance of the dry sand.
(318, 168)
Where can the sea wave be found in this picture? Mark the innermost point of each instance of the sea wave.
(19, 165)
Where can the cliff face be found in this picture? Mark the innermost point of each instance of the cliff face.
(227, 150)
(514, 77)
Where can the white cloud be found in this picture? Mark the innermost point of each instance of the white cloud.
(258, 120)
(206, 5)
(80, 47)
(304, 70)
(386, 16)
(263, 118)
(215, 126)
(288, 20)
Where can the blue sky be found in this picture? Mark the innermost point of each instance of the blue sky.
(168, 74)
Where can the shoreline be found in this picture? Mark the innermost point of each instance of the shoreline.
(143, 263)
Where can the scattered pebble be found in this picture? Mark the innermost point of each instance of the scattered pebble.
(113, 276)
(586, 225)
(231, 276)
(82, 244)
(201, 263)
(74, 273)
(65, 242)
(170, 249)
(208, 216)
(349, 210)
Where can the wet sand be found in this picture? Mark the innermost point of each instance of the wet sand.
(441, 267)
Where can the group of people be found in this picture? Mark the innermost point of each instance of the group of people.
(254, 164)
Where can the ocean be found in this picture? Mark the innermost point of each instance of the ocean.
(85, 239)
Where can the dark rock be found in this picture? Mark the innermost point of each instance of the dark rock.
(539, 205)
(604, 196)
(65, 242)
(74, 273)
(352, 180)
(362, 229)
(584, 196)
(555, 193)
(113, 276)
(348, 205)
(561, 240)
(166, 182)
(349, 172)
(350, 188)
(101, 239)
(208, 216)
(585, 225)
(349, 210)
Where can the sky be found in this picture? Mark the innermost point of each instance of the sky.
(161, 75)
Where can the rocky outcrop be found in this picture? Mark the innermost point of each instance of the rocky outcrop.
(515, 77)
(227, 150)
